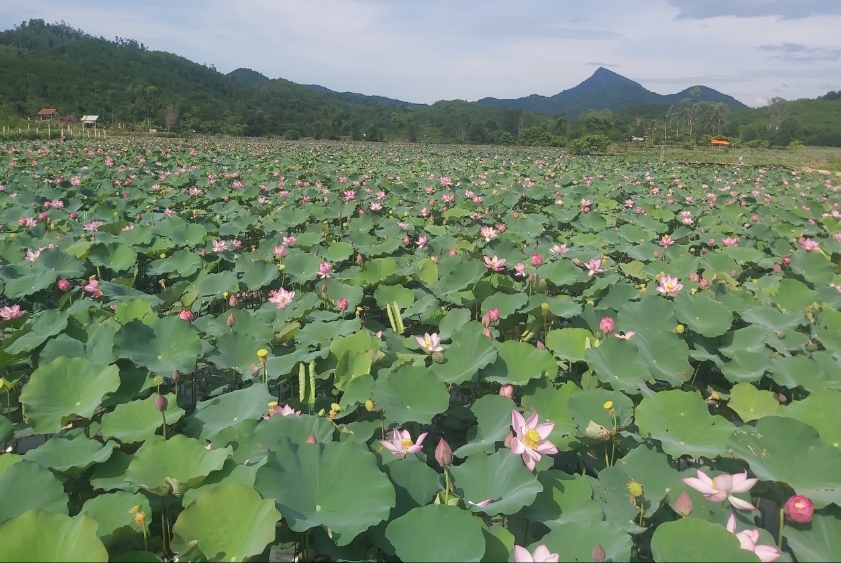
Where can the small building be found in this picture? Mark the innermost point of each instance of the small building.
(90, 120)
(48, 114)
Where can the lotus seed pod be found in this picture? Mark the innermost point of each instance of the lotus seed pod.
(369, 405)
(438, 357)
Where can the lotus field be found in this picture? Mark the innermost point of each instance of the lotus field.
(248, 349)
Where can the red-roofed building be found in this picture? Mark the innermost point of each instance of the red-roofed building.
(48, 114)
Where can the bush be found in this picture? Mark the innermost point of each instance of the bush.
(589, 144)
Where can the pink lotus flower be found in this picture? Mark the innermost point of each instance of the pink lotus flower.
(669, 285)
(186, 315)
(64, 285)
(808, 244)
(93, 287)
(430, 342)
(625, 335)
(219, 246)
(27, 222)
(342, 304)
(280, 251)
(530, 439)
(495, 264)
(722, 487)
(401, 443)
(289, 241)
(748, 539)
(8, 313)
(421, 242)
(487, 233)
(541, 555)
(666, 241)
(507, 390)
(606, 325)
(594, 266)
(324, 270)
(799, 509)
(520, 270)
(281, 298)
(728, 241)
(536, 260)
(555, 249)
(443, 453)
(285, 410)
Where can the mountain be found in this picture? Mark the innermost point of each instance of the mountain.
(363, 97)
(248, 77)
(606, 89)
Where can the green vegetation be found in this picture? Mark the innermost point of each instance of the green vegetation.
(137, 90)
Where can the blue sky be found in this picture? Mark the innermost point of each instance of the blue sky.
(429, 50)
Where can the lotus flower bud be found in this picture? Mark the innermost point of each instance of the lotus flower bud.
(186, 315)
(443, 453)
(507, 391)
(342, 304)
(683, 504)
(606, 325)
(598, 553)
(73, 215)
(536, 260)
(161, 403)
(231, 320)
(232, 301)
(799, 509)
(64, 285)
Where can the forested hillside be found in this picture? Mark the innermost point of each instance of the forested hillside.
(136, 89)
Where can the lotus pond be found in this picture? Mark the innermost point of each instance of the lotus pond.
(230, 349)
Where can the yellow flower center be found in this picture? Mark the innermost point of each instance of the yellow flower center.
(799, 505)
(634, 489)
(407, 443)
(608, 405)
(531, 439)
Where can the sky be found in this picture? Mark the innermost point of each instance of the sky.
(424, 51)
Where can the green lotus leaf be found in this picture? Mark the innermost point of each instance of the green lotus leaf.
(319, 333)
(114, 255)
(46, 324)
(746, 366)
(7, 429)
(427, 271)
(139, 309)
(455, 319)
(173, 466)
(215, 284)
(802, 371)
(300, 267)
(589, 406)
(819, 540)
(70, 456)
(179, 231)
(562, 273)
(22, 280)
(770, 446)
(356, 392)
(257, 273)
(683, 424)
(66, 388)
(822, 411)
(792, 295)
(214, 415)
(455, 274)
(469, 352)
(507, 304)
(518, 362)
(458, 536)
(559, 305)
(182, 263)
(610, 493)
(38, 535)
(28, 486)
(376, 270)
(112, 512)
(653, 471)
(228, 523)
(773, 319)
(565, 498)
(337, 485)
(493, 421)
(119, 292)
(693, 539)
(501, 476)
(411, 394)
(813, 266)
(386, 294)
(296, 429)
(569, 343)
(170, 344)
(137, 420)
(499, 543)
(351, 366)
(63, 264)
(108, 476)
(575, 541)
(703, 314)
(234, 471)
(236, 351)
(618, 363)
(751, 403)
